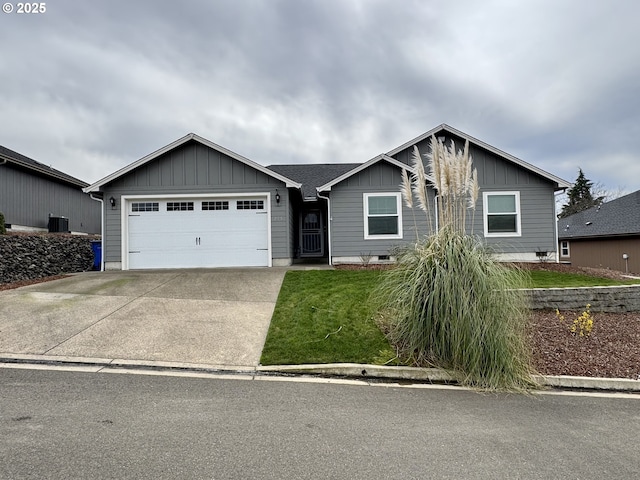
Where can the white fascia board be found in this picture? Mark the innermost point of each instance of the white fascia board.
(191, 136)
(327, 186)
(562, 184)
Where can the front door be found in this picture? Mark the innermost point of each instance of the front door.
(311, 234)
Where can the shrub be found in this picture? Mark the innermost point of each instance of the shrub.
(448, 302)
(581, 325)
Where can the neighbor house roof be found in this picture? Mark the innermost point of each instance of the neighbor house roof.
(311, 176)
(560, 183)
(181, 141)
(615, 218)
(36, 167)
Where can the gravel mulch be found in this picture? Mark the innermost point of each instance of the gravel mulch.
(611, 350)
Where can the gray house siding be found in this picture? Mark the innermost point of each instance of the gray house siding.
(347, 213)
(537, 200)
(495, 174)
(27, 200)
(190, 169)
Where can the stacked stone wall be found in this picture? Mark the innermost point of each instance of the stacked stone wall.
(625, 298)
(28, 257)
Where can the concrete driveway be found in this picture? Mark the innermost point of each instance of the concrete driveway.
(210, 317)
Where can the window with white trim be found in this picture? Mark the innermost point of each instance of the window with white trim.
(145, 206)
(216, 205)
(564, 249)
(250, 205)
(501, 211)
(179, 206)
(382, 215)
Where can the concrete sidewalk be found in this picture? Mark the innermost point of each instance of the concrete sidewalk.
(215, 317)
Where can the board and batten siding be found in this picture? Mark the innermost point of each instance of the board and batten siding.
(495, 174)
(28, 200)
(347, 213)
(191, 169)
(537, 204)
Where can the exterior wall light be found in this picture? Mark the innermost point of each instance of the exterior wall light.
(277, 197)
(112, 201)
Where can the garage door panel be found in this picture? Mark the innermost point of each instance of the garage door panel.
(199, 238)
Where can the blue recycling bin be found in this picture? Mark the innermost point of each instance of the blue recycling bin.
(96, 246)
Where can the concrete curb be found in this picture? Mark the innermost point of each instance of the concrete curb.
(350, 370)
(436, 375)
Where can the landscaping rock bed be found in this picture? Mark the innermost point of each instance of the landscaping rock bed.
(25, 257)
(612, 349)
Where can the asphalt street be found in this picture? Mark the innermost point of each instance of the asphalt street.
(58, 424)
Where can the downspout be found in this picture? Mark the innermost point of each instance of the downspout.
(555, 224)
(328, 224)
(101, 229)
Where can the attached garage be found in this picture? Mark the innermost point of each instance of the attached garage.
(187, 232)
(195, 204)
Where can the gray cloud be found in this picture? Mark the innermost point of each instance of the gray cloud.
(92, 86)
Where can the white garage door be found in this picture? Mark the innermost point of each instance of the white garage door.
(192, 233)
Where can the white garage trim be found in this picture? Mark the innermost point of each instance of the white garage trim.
(126, 200)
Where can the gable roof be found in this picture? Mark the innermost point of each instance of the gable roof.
(311, 176)
(181, 141)
(560, 183)
(617, 217)
(362, 166)
(39, 168)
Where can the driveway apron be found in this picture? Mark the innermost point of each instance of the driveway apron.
(217, 317)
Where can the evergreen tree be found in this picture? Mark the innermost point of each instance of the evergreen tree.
(580, 196)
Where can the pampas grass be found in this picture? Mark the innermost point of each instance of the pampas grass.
(456, 182)
(451, 305)
(448, 302)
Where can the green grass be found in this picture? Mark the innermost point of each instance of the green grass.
(315, 304)
(547, 279)
(326, 316)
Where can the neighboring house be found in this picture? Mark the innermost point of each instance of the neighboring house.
(606, 236)
(31, 193)
(196, 204)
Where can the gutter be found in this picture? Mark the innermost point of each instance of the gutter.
(97, 199)
(328, 224)
(555, 224)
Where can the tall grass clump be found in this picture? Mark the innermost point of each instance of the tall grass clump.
(448, 302)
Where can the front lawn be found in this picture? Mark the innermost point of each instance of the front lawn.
(551, 279)
(325, 316)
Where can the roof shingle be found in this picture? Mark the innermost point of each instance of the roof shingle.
(617, 217)
(313, 175)
(30, 163)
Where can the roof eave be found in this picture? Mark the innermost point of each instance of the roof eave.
(327, 186)
(598, 236)
(560, 184)
(191, 136)
(44, 171)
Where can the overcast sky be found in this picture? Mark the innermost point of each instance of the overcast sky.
(90, 86)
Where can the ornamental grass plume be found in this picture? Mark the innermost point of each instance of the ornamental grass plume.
(455, 180)
(453, 306)
(449, 302)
